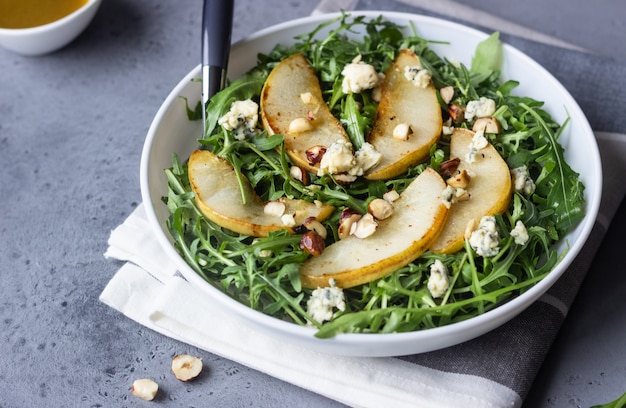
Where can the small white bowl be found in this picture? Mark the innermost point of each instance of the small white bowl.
(49, 37)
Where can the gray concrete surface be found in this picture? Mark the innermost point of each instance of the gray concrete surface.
(72, 125)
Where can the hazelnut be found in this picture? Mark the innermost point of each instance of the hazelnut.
(186, 367)
(402, 132)
(447, 93)
(364, 227)
(449, 167)
(457, 113)
(469, 228)
(391, 196)
(307, 98)
(314, 154)
(344, 179)
(312, 243)
(346, 219)
(487, 125)
(380, 208)
(460, 180)
(274, 208)
(300, 125)
(299, 174)
(146, 389)
(312, 224)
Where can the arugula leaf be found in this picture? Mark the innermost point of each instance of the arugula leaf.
(487, 59)
(618, 403)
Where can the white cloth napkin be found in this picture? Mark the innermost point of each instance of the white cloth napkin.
(148, 290)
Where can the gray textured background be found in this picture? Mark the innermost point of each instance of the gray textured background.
(72, 126)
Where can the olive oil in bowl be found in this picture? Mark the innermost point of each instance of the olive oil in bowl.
(33, 13)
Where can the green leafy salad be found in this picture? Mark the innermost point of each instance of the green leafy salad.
(500, 254)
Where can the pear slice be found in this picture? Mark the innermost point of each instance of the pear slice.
(292, 105)
(418, 217)
(404, 103)
(489, 190)
(218, 197)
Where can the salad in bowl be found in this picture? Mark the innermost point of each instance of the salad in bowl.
(363, 183)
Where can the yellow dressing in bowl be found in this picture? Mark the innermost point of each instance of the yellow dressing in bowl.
(32, 13)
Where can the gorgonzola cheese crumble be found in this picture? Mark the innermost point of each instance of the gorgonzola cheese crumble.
(481, 108)
(438, 282)
(479, 141)
(339, 159)
(486, 239)
(522, 182)
(323, 301)
(358, 76)
(242, 118)
(520, 233)
(418, 76)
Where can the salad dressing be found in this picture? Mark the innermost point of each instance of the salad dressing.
(33, 13)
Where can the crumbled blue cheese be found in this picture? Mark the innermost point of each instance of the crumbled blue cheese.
(419, 76)
(358, 76)
(451, 195)
(481, 108)
(339, 159)
(520, 233)
(522, 182)
(438, 282)
(479, 141)
(323, 301)
(242, 118)
(366, 158)
(486, 239)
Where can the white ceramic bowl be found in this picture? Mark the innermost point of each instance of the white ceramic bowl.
(49, 37)
(171, 131)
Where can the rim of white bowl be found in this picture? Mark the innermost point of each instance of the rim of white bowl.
(501, 313)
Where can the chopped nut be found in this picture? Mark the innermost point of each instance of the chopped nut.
(447, 93)
(307, 98)
(299, 174)
(364, 227)
(344, 179)
(487, 125)
(288, 220)
(391, 196)
(461, 194)
(469, 228)
(380, 208)
(346, 219)
(312, 243)
(402, 131)
(314, 154)
(457, 113)
(275, 208)
(186, 367)
(312, 224)
(460, 180)
(146, 389)
(450, 167)
(300, 125)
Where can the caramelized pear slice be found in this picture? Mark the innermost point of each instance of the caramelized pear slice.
(404, 103)
(292, 105)
(418, 217)
(489, 189)
(219, 198)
